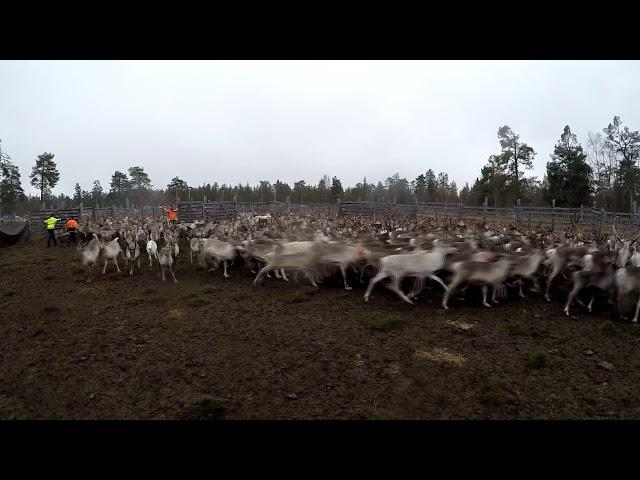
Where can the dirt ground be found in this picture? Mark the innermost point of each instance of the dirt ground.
(215, 348)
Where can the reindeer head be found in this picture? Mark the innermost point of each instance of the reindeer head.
(624, 250)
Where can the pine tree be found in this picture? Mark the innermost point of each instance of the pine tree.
(568, 174)
(44, 175)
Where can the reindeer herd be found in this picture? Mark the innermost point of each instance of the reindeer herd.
(455, 254)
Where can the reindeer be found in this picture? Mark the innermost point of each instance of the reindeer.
(219, 251)
(421, 264)
(600, 270)
(297, 258)
(132, 251)
(483, 273)
(110, 251)
(90, 254)
(627, 280)
(165, 260)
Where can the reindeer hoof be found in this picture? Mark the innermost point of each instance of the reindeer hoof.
(348, 288)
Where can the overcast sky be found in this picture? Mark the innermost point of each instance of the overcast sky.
(245, 121)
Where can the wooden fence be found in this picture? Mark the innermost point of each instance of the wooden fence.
(190, 211)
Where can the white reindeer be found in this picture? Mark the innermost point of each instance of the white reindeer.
(421, 264)
(110, 251)
(90, 254)
(165, 260)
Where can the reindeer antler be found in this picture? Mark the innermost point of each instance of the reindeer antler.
(613, 227)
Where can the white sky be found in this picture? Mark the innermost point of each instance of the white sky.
(239, 121)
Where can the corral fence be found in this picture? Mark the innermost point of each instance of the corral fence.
(208, 211)
(595, 218)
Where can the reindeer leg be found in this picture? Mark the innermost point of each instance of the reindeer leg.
(284, 276)
(635, 317)
(344, 277)
(417, 287)
(173, 275)
(593, 297)
(485, 289)
(557, 267)
(104, 270)
(311, 279)
(521, 282)
(395, 287)
(536, 285)
(264, 270)
(379, 276)
(437, 279)
(115, 260)
(450, 288)
(577, 286)
(619, 298)
(226, 275)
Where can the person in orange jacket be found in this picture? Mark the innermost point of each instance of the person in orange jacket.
(172, 213)
(72, 226)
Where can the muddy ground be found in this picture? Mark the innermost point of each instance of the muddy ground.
(215, 348)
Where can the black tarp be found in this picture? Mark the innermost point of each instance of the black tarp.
(11, 232)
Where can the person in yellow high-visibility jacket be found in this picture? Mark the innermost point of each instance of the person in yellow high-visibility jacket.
(51, 225)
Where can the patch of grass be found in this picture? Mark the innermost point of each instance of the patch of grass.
(10, 293)
(210, 290)
(537, 360)
(175, 314)
(50, 277)
(515, 329)
(384, 324)
(207, 408)
(149, 291)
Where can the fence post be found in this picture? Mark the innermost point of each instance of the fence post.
(339, 207)
(81, 211)
(553, 214)
(484, 208)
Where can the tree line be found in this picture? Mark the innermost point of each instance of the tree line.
(606, 172)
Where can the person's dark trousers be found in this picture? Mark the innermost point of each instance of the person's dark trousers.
(52, 236)
(72, 236)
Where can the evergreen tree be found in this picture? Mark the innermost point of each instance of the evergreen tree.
(516, 155)
(44, 175)
(568, 174)
(10, 187)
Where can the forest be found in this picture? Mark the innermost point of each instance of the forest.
(604, 168)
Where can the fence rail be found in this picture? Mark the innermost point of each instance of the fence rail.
(213, 211)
